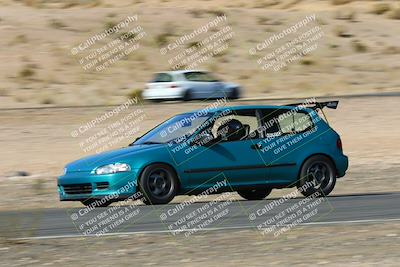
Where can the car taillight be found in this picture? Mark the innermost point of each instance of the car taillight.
(173, 86)
(339, 144)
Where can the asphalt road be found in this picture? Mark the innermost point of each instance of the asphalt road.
(220, 214)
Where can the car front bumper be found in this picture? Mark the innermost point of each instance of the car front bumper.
(78, 186)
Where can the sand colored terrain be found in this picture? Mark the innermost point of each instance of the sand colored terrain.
(359, 51)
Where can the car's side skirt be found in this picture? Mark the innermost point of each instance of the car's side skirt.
(237, 168)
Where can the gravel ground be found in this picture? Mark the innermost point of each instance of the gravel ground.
(341, 245)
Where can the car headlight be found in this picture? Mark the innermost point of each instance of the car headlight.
(112, 168)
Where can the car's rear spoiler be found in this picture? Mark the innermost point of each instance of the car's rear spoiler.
(318, 105)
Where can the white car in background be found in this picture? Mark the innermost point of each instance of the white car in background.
(187, 85)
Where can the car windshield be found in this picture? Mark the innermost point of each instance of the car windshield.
(177, 129)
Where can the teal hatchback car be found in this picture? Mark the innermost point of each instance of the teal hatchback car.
(247, 149)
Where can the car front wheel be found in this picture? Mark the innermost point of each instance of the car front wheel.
(234, 94)
(158, 184)
(254, 194)
(317, 176)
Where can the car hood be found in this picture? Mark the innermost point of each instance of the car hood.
(118, 155)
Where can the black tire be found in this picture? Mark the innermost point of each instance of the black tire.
(234, 94)
(187, 96)
(318, 174)
(158, 184)
(155, 100)
(90, 201)
(254, 194)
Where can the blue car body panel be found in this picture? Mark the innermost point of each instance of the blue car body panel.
(203, 166)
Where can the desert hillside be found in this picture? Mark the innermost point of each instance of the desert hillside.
(358, 49)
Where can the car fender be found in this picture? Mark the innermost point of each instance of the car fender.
(324, 144)
(228, 85)
(159, 157)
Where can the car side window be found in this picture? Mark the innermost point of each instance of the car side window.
(285, 121)
(206, 77)
(302, 121)
(246, 122)
(198, 76)
(162, 77)
(193, 76)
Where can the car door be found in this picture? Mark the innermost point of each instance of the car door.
(194, 81)
(213, 88)
(238, 161)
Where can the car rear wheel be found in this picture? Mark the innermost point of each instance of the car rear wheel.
(158, 184)
(317, 176)
(187, 96)
(254, 194)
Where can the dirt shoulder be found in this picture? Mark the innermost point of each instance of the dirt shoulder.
(341, 245)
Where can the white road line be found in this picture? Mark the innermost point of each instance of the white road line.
(200, 230)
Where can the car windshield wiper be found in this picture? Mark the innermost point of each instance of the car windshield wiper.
(150, 143)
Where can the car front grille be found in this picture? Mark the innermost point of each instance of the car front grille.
(102, 185)
(74, 189)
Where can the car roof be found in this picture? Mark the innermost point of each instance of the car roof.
(248, 107)
(180, 71)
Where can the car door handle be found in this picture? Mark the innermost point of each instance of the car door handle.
(256, 146)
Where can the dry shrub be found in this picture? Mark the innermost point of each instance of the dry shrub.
(266, 3)
(26, 72)
(57, 24)
(358, 46)
(307, 61)
(345, 14)
(380, 8)
(46, 100)
(391, 50)
(135, 94)
(197, 13)
(341, 31)
(341, 2)
(394, 14)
